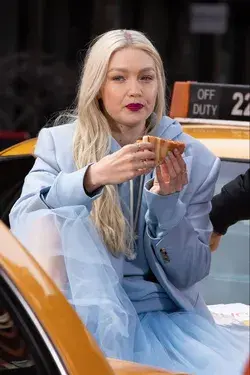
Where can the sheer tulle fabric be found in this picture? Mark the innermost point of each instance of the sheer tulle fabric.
(67, 245)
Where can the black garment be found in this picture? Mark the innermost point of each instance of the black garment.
(232, 204)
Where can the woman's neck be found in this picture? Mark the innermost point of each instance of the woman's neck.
(125, 135)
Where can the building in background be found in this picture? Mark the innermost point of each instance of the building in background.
(43, 43)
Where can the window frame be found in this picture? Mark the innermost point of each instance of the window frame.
(236, 160)
(46, 358)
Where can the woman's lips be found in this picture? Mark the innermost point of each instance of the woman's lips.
(134, 106)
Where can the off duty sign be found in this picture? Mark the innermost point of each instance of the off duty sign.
(219, 101)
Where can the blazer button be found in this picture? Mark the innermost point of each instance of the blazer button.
(164, 255)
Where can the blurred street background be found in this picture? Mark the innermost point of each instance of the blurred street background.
(43, 43)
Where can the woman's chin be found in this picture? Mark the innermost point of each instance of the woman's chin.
(133, 121)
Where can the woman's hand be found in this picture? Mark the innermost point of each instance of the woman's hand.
(171, 175)
(215, 241)
(123, 165)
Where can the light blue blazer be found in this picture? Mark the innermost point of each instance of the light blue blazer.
(174, 230)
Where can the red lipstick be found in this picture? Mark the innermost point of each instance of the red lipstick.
(134, 107)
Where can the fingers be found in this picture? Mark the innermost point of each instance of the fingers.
(143, 155)
(184, 178)
(177, 168)
(142, 171)
(167, 180)
(137, 155)
(136, 147)
(175, 164)
(171, 176)
(171, 172)
(172, 166)
(183, 167)
(214, 241)
(180, 159)
(144, 164)
(159, 176)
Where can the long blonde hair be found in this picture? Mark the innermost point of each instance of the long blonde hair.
(93, 134)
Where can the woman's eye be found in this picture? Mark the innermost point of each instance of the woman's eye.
(147, 78)
(118, 78)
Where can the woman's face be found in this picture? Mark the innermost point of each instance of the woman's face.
(130, 89)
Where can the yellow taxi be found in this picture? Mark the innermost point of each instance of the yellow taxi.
(39, 312)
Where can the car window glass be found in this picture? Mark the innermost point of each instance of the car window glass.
(15, 355)
(228, 281)
(13, 170)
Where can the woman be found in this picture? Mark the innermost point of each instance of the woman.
(131, 237)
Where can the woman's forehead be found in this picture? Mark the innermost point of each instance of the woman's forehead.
(128, 59)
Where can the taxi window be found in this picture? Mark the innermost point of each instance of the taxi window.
(15, 355)
(228, 281)
(13, 169)
(229, 170)
(22, 347)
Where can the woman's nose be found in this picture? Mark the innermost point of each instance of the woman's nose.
(135, 88)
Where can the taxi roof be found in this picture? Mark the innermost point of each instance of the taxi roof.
(20, 149)
(223, 140)
(226, 139)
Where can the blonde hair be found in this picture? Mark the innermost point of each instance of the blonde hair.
(93, 134)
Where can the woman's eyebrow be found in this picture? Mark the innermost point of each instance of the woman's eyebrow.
(150, 68)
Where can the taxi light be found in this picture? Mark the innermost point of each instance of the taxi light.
(211, 101)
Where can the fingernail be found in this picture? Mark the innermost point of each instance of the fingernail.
(176, 151)
(170, 153)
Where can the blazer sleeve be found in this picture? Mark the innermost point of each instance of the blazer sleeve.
(179, 233)
(232, 204)
(47, 186)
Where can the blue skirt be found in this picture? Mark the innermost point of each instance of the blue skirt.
(187, 342)
(180, 341)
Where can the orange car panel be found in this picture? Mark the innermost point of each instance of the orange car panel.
(247, 369)
(129, 368)
(222, 132)
(22, 148)
(229, 149)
